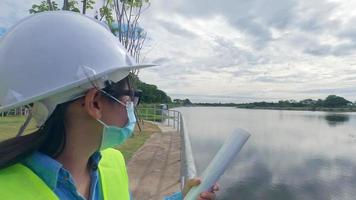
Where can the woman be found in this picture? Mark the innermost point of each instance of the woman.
(73, 74)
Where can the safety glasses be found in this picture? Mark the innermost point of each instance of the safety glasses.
(134, 96)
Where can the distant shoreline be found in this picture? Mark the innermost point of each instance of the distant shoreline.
(346, 109)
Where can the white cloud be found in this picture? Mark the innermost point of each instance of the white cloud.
(13, 11)
(263, 49)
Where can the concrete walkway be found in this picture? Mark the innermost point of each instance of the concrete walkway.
(154, 170)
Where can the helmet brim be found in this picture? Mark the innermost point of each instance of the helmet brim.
(72, 90)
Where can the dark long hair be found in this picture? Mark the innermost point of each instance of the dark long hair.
(49, 139)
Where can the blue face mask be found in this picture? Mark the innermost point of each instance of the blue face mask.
(113, 135)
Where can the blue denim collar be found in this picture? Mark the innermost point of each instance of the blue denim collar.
(49, 169)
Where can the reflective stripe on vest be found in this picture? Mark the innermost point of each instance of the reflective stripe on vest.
(18, 182)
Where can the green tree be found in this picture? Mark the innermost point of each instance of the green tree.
(127, 13)
(335, 101)
(187, 102)
(319, 103)
(150, 93)
(307, 102)
(71, 5)
(44, 6)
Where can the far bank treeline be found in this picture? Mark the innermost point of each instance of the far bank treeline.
(330, 103)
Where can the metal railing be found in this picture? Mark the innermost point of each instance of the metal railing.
(174, 119)
(20, 111)
(188, 169)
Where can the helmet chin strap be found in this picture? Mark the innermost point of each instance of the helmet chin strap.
(40, 113)
(42, 109)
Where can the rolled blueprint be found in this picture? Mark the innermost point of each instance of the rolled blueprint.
(220, 163)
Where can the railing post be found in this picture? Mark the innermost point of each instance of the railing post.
(154, 112)
(162, 116)
(174, 119)
(146, 114)
(178, 123)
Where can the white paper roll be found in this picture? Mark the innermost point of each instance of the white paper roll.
(220, 162)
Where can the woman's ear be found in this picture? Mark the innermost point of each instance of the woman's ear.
(92, 104)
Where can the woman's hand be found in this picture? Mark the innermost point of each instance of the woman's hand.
(210, 195)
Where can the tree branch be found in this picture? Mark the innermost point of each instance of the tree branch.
(65, 5)
(84, 6)
(50, 6)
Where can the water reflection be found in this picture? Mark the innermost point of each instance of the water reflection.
(261, 184)
(290, 155)
(258, 186)
(336, 119)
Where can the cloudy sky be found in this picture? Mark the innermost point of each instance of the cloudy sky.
(241, 51)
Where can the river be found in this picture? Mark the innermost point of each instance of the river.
(290, 154)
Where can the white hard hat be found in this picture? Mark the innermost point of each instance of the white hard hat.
(53, 57)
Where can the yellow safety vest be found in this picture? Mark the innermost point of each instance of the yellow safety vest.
(18, 182)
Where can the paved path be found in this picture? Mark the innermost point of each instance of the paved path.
(154, 170)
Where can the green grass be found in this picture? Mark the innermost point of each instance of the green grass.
(9, 126)
(154, 118)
